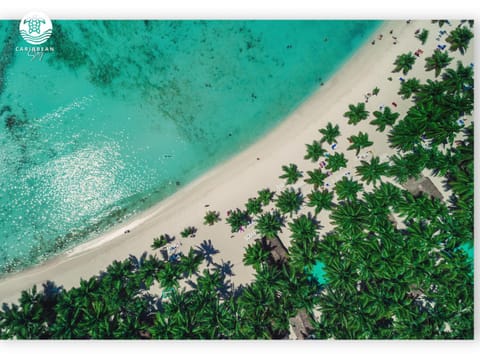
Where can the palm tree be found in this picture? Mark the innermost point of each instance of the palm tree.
(304, 255)
(211, 217)
(440, 22)
(356, 113)
(238, 219)
(384, 119)
(314, 151)
(336, 162)
(330, 133)
(373, 171)
(265, 196)
(289, 201)
(422, 36)
(291, 173)
(430, 94)
(189, 264)
(459, 39)
(347, 189)
(161, 241)
(256, 254)
(359, 142)
(189, 231)
(269, 224)
(304, 228)
(169, 275)
(316, 178)
(254, 206)
(404, 63)
(458, 80)
(437, 61)
(388, 194)
(407, 134)
(405, 167)
(351, 217)
(320, 200)
(409, 87)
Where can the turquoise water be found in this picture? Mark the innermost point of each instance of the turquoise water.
(123, 113)
(318, 272)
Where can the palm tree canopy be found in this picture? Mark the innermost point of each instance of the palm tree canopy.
(384, 119)
(320, 200)
(372, 171)
(316, 178)
(409, 87)
(347, 189)
(291, 173)
(356, 113)
(359, 142)
(459, 39)
(330, 133)
(404, 63)
(437, 61)
(314, 151)
(289, 201)
(269, 224)
(336, 162)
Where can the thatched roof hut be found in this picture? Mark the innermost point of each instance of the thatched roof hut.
(422, 185)
(301, 325)
(278, 250)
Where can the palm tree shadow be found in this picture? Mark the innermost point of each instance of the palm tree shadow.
(51, 290)
(225, 268)
(225, 288)
(207, 250)
(138, 262)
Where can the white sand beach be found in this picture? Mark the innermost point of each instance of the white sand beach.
(230, 184)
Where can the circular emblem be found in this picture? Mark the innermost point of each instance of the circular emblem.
(35, 28)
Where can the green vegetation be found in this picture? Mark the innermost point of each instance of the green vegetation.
(459, 39)
(336, 161)
(384, 119)
(373, 171)
(269, 224)
(320, 200)
(409, 87)
(394, 263)
(316, 178)
(330, 133)
(357, 113)
(161, 241)
(189, 231)
(265, 196)
(211, 217)
(237, 219)
(314, 151)
(289, 201)
(291, 174)
(404, 63)
(256, 255)
(254, 206)
(347, 189)
(437, 61)
(359, 142)
(422, 36)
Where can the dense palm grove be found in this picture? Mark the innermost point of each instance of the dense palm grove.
(394, 263)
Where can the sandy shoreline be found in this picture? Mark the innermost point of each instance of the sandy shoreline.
(231, 183)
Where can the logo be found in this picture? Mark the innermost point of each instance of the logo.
(35, 28)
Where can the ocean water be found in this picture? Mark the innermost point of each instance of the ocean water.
(318, 272)
(124, 113)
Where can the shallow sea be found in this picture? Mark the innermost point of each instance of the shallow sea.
(124, 113)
